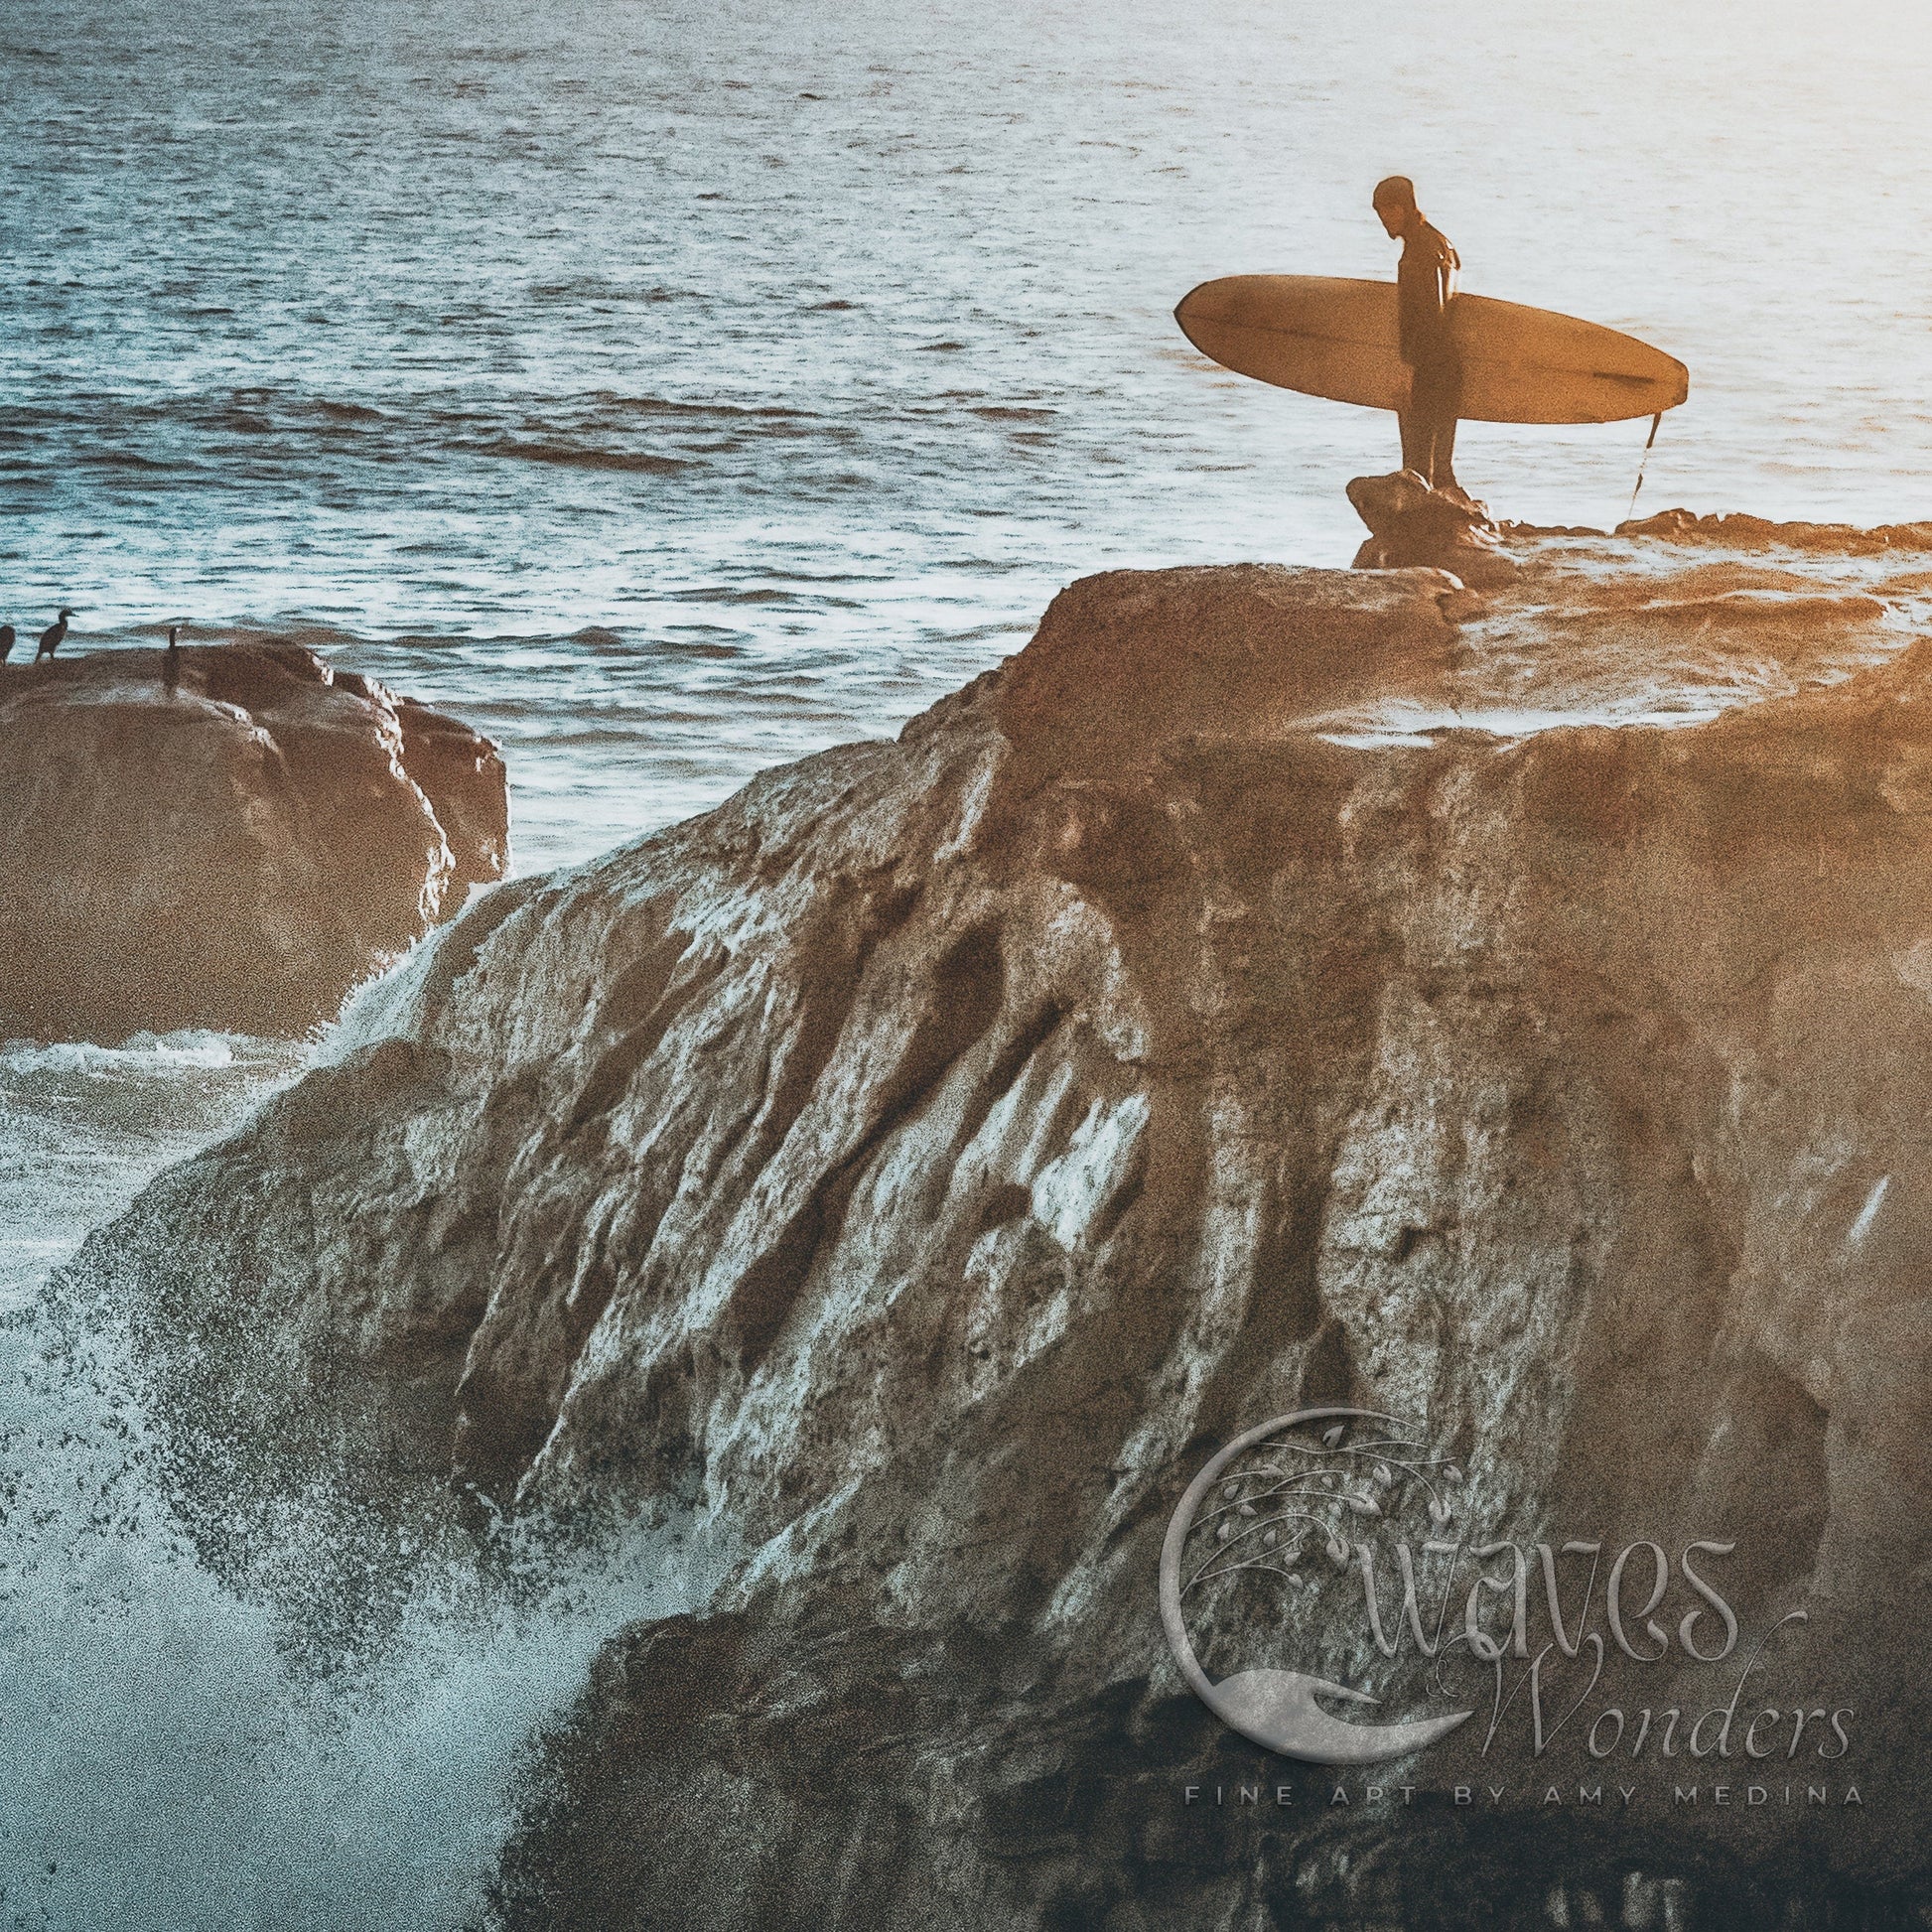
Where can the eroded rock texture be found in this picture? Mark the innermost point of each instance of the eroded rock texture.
(236, 853)
(1270, 988)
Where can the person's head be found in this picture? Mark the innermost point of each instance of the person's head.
(1394, 203)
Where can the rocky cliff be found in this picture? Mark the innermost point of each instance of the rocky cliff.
(1272, 989)
(236, 851)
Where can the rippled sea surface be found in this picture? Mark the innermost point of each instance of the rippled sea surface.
(672, 390)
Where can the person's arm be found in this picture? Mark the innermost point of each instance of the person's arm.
(1447, 267)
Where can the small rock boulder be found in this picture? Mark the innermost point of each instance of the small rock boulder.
(1410, 524)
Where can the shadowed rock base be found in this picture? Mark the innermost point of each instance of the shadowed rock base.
(727, 1775)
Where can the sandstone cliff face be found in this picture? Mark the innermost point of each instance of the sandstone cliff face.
(236, 853)
(1273, 988)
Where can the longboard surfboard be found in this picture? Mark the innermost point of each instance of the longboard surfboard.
(1326, 336)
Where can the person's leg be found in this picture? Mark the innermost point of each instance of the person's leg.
(1418, 441)
(1433, 404)
(1426, 443)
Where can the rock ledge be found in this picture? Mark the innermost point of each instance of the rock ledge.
(236, 854)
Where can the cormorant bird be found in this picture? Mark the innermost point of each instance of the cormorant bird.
(6, 641)
(171, 660)
(51, 635)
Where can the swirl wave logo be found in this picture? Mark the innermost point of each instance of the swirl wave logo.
(1262, 1506)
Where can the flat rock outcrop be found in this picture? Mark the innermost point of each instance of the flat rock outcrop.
(1737, 531)
(236, 853)
(1271, 990)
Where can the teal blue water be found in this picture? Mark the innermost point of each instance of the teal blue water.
(677, 389)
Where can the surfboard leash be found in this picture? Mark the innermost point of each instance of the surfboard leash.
(1656, 423)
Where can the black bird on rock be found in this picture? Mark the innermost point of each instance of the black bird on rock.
(6, 641)
(51, 635)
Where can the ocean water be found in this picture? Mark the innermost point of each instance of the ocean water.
(674, 388)
(670, 391)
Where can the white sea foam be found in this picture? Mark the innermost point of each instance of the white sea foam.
(176, 1756)
(190, 1049)
(180, 1755)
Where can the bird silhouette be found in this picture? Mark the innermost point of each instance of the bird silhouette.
(6, 641)
(51, 635)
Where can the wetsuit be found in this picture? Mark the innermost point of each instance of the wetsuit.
(1424, 283)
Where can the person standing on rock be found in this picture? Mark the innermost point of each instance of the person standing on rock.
(1425, 287)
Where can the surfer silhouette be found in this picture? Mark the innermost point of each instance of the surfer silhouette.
(1425, 285)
